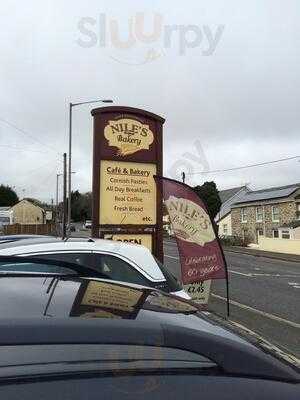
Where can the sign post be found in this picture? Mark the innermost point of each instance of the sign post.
(127, 153)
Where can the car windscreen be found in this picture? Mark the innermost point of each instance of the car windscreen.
(173, 283)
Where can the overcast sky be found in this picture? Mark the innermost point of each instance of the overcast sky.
(224, 74)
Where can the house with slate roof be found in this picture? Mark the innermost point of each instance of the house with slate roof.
(272, 213)
(228, 197)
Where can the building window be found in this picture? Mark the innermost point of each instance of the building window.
(275, 233)
(275, 214)
(245, 234)
(244, 215)
(259, 214)
(259, 233)
(285, 234)
(225, 229)
(298, 211)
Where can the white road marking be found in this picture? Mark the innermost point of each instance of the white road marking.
(175, 258)
(287, 356)
(251, 274)
(278, 275)
(294, 285)
(265, 314)
(239, 273)
(247, 274)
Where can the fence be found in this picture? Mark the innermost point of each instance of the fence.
(18, 229)
(289, 246)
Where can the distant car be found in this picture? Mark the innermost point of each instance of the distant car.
(119, 261)
(87, 224)
(78, 337)
(71, 228)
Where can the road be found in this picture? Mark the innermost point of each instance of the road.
(264, 293)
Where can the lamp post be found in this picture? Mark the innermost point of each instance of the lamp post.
(56, 203)
(71, 105)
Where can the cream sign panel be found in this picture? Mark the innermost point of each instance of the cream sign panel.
(128, 135)
(127, 194)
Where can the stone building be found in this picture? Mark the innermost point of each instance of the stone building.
(228, 197)
(27, 213)
(270, 212)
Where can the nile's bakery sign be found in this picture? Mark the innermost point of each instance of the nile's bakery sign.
(128, 135)
(127, 154)
(190, 221)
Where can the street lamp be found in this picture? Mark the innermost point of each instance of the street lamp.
(71, 105)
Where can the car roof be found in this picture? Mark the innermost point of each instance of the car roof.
(111, 313)
(137, 254)
(77, 297)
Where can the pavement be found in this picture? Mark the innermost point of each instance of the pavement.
(264, 293)
(262, 253)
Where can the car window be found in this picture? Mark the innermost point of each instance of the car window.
(27, 267)
(120, 270)
(111, 267)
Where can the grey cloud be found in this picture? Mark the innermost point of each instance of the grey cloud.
(241, 102)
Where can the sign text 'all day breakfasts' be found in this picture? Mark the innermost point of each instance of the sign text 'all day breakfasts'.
(127, 193)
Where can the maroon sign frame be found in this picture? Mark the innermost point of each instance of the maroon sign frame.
(104, 150)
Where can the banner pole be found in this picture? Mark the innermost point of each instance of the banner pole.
(227, 293)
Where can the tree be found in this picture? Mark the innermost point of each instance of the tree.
(37, 202)
(208, 192)
(8, 197)
(81, 206)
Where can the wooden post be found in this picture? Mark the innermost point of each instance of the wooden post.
(64, 230)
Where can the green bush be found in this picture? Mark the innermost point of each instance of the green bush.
(234, 241)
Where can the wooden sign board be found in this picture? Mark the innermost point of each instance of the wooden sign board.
(127, 153)
(96, 299)
(135, 238)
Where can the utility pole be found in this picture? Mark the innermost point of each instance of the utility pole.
(56, 201)
(57, 206)
(183, 176)
(64, 228)
(70, 165)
